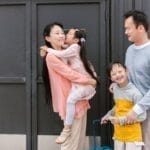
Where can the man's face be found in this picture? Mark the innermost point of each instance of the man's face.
(131, 30)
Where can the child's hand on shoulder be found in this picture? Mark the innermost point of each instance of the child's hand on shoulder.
(111, 87)
(43, 50)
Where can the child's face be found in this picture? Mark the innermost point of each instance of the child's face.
(70, 37)
(119, 75)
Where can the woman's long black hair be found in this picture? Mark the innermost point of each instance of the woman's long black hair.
(80, 34)
(45, 74)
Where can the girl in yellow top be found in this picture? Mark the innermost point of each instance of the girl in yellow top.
(125, 94)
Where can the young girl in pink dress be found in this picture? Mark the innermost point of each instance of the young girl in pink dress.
(75, 57)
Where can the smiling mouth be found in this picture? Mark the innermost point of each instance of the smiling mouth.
(119, 78)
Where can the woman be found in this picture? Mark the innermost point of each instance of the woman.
(60, 83)
(75, 54)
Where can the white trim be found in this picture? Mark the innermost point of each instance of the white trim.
(47, 142)
(141, 46)
(12, 142)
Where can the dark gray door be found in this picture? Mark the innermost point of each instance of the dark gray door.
(22, 104)
(89, 15)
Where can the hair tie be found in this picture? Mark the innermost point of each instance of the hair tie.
(82, 40)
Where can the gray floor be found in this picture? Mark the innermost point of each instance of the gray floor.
(45, 142)
(48, 143)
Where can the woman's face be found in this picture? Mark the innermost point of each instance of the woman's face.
(56, 37)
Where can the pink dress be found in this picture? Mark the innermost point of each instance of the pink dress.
(61, 77)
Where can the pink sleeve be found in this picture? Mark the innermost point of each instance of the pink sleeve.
(71, 51)
(58, 66)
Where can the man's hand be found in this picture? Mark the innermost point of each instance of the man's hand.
(131, 117)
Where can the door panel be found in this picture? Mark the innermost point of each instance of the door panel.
(13, 68)
(15, 74)
(71, 15)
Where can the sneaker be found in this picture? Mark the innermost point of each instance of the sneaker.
(63, 136)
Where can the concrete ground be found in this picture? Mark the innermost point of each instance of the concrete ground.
(48, 143)
(45, 142)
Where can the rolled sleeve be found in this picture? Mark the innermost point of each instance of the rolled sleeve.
(137, 109)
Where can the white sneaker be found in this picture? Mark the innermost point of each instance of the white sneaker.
(63, 136)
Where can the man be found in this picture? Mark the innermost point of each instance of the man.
(138, 64)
